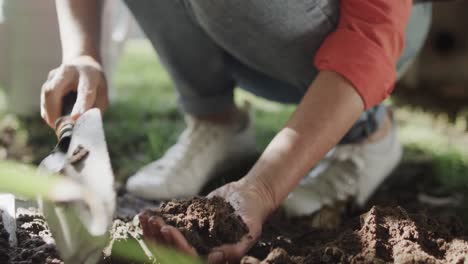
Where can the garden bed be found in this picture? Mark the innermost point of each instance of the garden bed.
(410, 219)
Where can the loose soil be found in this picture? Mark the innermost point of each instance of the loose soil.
(382, 235)
(429, 227)
(206, 223)
(410, 219)
(35, 242)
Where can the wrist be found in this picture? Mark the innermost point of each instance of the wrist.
(84, 60)
(85, 50)
(264, 193)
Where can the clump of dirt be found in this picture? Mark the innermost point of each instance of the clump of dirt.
(205, 222)
(382, 235)
(35, 243)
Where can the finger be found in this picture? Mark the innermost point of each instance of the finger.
(143, 217)
(102, 97)
(167, 234)
(86, 95)
(155, 225)
(52, 93)
(226, 254)
(231, 253)
(212, 194)
(178, 240)
(51, 74)
(216, 257)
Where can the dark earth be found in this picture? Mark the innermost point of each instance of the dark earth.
(409, 220)
(34, 241)
(382, 235)
(4, 245)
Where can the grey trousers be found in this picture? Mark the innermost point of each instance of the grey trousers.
(267, 47)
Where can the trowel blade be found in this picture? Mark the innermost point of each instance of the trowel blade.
(54, 163)
(94, 171)
(8, 213)
(80, 228)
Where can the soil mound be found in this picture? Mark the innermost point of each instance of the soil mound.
(382, 235)
(205, 222)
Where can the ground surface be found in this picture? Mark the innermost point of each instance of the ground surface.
(381, 235)
(409, 220)
(422, 207)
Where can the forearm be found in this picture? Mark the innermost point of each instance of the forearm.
(327, 111)
(80, 26)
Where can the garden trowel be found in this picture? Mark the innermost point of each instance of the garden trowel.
(80, 215)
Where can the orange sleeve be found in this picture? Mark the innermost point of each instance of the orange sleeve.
(366, 46)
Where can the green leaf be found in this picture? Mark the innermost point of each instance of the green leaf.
(25, 180)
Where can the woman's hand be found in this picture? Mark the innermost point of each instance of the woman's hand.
(83, 75)
(249, 200)
(254, 205)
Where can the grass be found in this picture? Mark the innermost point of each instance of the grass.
(12, 173)
(144, 120)
(144, 126)
(143, 117)
(427, 137)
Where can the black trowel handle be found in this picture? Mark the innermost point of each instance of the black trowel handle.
(68, 102)
(64, 125)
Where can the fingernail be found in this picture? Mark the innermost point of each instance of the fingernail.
(167, 236)
(216, 257)
(165, 229)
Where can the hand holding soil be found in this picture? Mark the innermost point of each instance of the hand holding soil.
(224, 229)
(253, 208)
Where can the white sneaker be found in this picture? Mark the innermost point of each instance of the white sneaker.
(202, 149)
(347, 171)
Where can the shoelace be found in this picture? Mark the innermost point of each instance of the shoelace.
(191, 139)
(349, 162)
(350, 153)
(336, 178)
